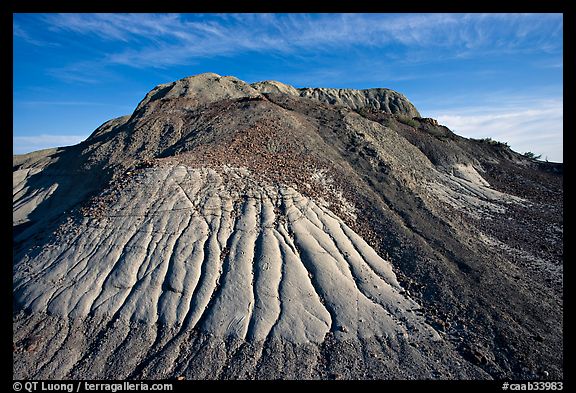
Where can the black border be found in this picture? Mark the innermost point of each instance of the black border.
(532, 6)
(334, 6)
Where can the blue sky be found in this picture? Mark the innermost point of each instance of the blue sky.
(482, 75)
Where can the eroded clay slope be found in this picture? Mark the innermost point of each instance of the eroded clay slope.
(208, 273)
(196, 248)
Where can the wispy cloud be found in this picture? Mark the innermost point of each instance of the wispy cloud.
(550, 63)
(171, 39)
(27, 144)
(527, 125)
(19, 32)
(84, 72)
(62, 103)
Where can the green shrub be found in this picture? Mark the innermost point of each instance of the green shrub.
(532, 156)
(493, 142)
(408, 121)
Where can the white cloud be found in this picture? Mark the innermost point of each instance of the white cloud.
(170, 39)
(122, 27)
(529, 125)
(60, 103)
(19, 32)
(27, 144)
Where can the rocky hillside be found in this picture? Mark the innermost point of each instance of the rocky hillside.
(384, 100)
(228, 230)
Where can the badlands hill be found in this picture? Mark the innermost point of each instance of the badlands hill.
(227, 230)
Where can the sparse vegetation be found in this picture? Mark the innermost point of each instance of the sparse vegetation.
(439, 133)
(532, 156)
(364, 111)
(493, 142)
(408, 121)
